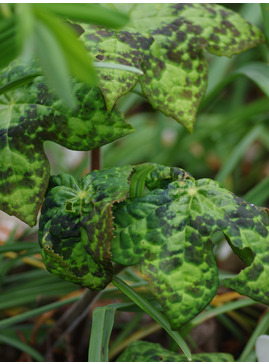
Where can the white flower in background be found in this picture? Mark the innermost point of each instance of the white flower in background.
(262, 348)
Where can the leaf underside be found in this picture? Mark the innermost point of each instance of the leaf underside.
(143, 351)
(32, 114)
(167, 42)
(167, 231)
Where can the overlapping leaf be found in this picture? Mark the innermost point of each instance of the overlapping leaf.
(167, 230)
(167, 42)
(31, 115)
(76, 225)
(143, 351)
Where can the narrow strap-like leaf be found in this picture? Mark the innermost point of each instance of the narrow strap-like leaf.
(35, 312)
(153, 312)
(20, 81)
(102, 324)
(89, 13)
(139, 179)
(18, 344)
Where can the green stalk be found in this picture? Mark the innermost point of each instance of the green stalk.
(261, 328)
(238, 152)
(19, 82)
(21, 346)
(213, 312)
(153, 312)
(35, 312)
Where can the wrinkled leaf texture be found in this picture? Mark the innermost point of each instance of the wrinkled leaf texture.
(167, 231)
(143, 351)
(167, 42)
(76, 213)
(32, 114)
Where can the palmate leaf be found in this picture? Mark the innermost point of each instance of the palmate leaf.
(76, 225)
(143, 351)
(32, 114)
(167, 42)
(167, 230)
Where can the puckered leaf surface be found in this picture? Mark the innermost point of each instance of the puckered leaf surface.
(76, 225)
(167, 230)
(143, 351)
(167, 42)
(31, 115)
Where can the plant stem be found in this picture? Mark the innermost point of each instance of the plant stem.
(153, 312)
(95, 159)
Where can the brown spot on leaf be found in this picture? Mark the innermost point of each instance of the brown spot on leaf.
(100, 57)
(186, 94)
(214, 37)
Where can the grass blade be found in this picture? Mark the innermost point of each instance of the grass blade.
(22, 346)
(116, 346)
(102, 324)
(17, 247)
(265, 15)
(238, 152)
(53, 62)
(258, 194)
(258, 72)
(261, 328)
(155, 314)
(232, 327)
(89, 13)
(138, 181)
(76, 56)
(8, 46)
(36, 312)
(213, 312)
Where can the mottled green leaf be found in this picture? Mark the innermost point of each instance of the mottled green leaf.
(168, 232)
(106, 45)
(76, 225)
(31, 115)
(167, 42)
(143, 351)
(167, 229)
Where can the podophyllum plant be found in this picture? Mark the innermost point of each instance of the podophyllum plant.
(156, 216)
